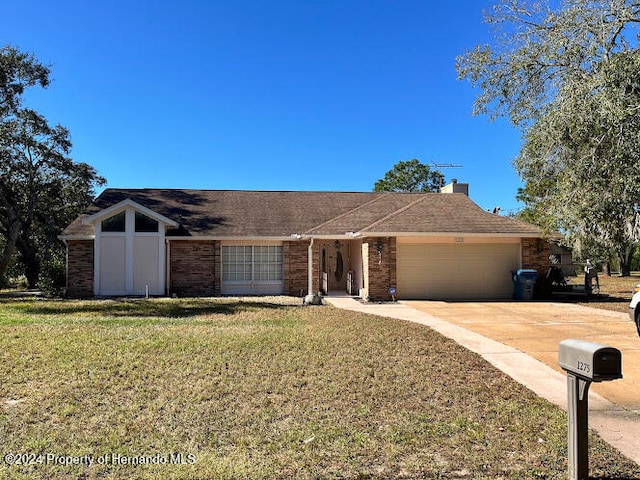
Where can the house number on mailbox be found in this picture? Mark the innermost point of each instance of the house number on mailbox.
(584, 367)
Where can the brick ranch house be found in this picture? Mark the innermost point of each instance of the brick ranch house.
(216, 242)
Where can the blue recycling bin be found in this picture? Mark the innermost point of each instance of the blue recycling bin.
(524, 284)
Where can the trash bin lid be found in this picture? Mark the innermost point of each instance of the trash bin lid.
(524, 271)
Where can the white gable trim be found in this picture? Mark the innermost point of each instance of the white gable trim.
(116, 208)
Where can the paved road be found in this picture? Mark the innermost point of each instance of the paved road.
(521, 339)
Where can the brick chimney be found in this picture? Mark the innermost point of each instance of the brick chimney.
(455, 187)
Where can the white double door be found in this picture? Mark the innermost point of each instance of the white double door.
(130, 265)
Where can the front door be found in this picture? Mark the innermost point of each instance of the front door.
(334, 258)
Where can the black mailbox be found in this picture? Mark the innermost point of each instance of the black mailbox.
(591, 361)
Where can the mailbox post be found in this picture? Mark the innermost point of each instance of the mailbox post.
(584, 362)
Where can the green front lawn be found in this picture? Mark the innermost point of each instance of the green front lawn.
(252, 390)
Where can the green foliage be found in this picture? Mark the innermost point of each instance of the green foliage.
(41, 188)
(534, 211)
(569, 78)
(635, 260)
(410, 176)
(18, 71)
(53, 278)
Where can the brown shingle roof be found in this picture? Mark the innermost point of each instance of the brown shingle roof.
(233, 213)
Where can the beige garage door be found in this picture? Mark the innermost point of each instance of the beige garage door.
(456, 271)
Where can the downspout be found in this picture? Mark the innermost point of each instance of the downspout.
(310, 266)
(167, 267)
(66, 263)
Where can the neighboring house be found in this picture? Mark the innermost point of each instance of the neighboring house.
(562, 257)
(213, 242)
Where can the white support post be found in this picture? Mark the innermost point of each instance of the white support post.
(310, 267)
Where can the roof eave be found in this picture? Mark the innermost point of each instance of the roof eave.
(352, 236)
(76, 237)
(231, 238)
(452, 234)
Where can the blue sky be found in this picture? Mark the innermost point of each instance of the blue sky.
(266, 95)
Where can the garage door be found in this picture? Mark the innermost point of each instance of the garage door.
(456, 272)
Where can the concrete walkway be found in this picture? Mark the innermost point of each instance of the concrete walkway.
(616, 423)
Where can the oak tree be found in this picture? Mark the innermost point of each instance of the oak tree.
(569, 78)
(41, 188)
(410, 176)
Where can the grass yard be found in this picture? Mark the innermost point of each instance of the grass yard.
(242, 389)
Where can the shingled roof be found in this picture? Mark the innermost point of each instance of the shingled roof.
(251, 214)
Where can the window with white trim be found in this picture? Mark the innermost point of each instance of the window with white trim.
(116, 223)
(252, 263)
(144, 224)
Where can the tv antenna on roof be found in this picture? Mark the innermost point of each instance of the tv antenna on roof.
(443, 165)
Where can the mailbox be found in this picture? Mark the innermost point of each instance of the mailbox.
(584, 362)
(591, 361)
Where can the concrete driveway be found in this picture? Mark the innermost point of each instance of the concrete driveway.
(536, 328)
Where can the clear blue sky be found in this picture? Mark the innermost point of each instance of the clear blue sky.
(265, 94)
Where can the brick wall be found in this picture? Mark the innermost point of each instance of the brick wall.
(295, 267)
(317, 269)
(535, 254)
(194, 268)
(296, 261)
(381, 268)
(80, 268)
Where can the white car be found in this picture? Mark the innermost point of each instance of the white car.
(634, 307)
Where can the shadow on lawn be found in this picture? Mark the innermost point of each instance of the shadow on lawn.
(176, 308)
(596, 298)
